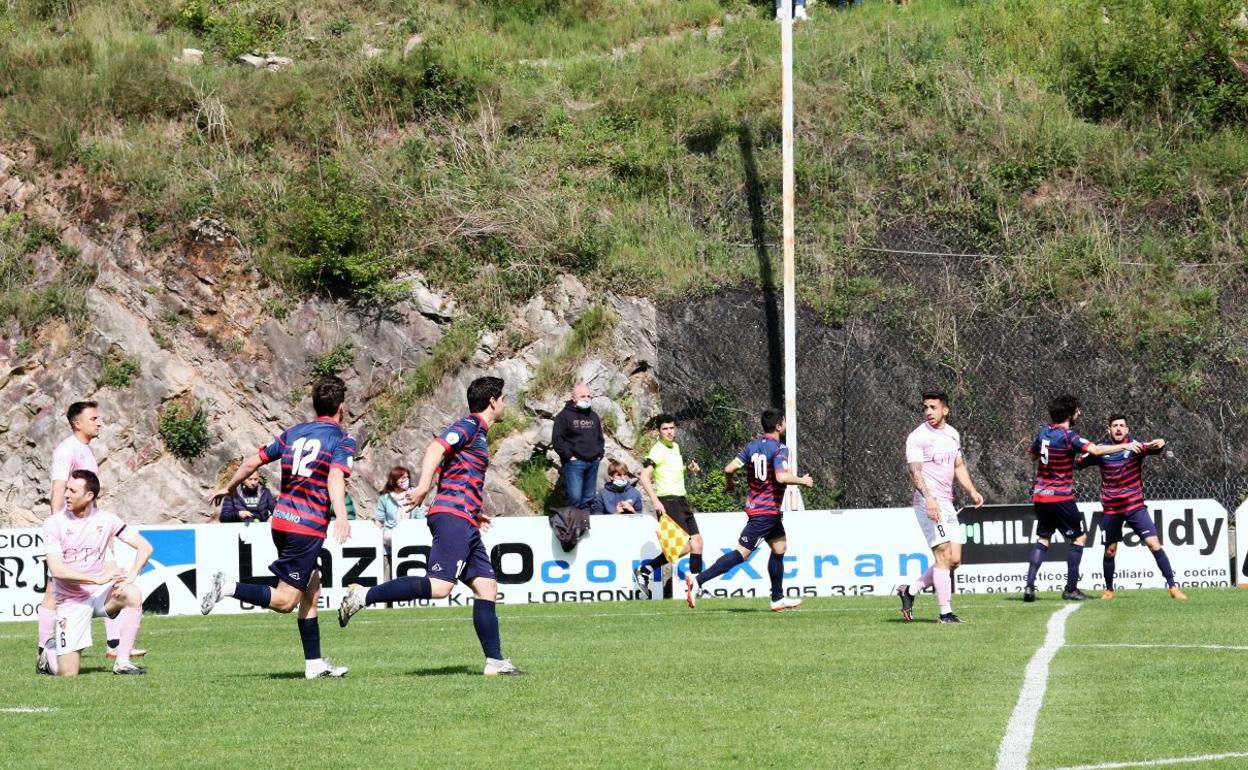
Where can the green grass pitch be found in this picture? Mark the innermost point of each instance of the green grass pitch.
(841, 683)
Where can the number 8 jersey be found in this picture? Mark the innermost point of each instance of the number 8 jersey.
(307, 452)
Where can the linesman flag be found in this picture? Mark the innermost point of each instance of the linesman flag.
(672, 539)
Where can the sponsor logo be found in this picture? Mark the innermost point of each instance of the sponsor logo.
(168, 580)
(452, 438)
(295, 575)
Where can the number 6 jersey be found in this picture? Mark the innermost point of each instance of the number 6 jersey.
(307, 452)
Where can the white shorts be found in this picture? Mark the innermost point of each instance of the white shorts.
(73, 621)
(947, 530)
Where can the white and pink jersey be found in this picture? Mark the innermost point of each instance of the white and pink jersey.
(83, 545)
(72, 455)
(938, 450)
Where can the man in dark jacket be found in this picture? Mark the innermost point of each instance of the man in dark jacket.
(577, 437)
(252, 501)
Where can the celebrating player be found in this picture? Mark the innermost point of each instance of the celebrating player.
(1053, 494)
(316, 460)
(460, 454)
(934, 456)
(768, 463)
(84, 583)
(72, 454)
(1122, 499)
(663, 479)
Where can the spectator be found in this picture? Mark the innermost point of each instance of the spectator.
(799, 10)
(577, 436)
(619, 495)
(252, 501)
(392, 504)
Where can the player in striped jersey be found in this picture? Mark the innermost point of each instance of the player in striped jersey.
(768, 462)
(1053, 494)
(457, 459)
(1122, 498)
(316, 460)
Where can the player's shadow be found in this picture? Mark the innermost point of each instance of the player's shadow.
(446, 671)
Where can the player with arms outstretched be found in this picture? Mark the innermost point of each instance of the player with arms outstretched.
(767, 461)
(457, 459)
(934, 459)
(84, 583)
(316, 460)
(1054, 450)
(1122, 501)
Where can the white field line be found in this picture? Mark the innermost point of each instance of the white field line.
(1015, 747)
(1161, 762)
(1234, 647)
(28, 710)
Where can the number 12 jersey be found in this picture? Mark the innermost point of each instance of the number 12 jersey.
(308, 451)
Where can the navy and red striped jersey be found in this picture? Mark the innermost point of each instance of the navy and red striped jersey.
(307, 452)
(1122, 479)
(1056, 447)
(462, 478)
(763, 458)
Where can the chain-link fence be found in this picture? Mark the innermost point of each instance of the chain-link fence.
(964, 324)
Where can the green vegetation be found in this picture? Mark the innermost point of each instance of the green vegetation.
(832, 667)
(32, 294)
(455, 347)
(333, 361)
(514, 420)
(530, 478)
(117, 370)
(183, 428)
(589, 332)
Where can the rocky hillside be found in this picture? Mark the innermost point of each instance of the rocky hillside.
(202, 329)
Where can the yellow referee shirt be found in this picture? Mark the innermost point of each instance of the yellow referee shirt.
(669, 469)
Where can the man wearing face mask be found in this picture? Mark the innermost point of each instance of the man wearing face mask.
(619, 495)
(577, 438)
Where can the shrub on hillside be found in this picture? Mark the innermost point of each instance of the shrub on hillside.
(412, 88)
(183, 428)
(1147, 57)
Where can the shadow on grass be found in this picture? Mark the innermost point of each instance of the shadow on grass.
(446, 671)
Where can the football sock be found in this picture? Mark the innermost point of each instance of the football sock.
(310, 635)
(721, 565)
(400, 590)
(1038, 552)
(128, 626)
(112, 630)
(1073, 557)
(47, 625)
(1107, 567)
(920, 585)
(943, 582)
(53, 660)
(695, 563)
(485, 621)
(657, 562)
(253, 593)
(227, 587)
(775, 571)
(1163, 563)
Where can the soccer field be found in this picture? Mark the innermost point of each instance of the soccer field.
(839, 683)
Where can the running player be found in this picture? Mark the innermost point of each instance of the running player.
(460, 456)
(663, 479)
(1053, 494)
(934, 457)
(84, 582)
(768, 462)
(72, 454)
(1122, 500)
(316, 461)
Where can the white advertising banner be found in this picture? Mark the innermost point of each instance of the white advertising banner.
(1241, 545)
(830, 553)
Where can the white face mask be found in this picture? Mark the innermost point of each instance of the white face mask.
(619, 483)
(582, 404)
(404, 483)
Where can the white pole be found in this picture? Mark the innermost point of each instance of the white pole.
(793, 495)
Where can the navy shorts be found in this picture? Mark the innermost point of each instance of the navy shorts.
(457, 552)
(297, 557)
(1061, 517)
(761, 528)
(1141, 524)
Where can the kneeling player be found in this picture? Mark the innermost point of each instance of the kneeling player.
(84, 584)
(934, 456)
(1122, 498)
(768, 462)
(458, 457)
